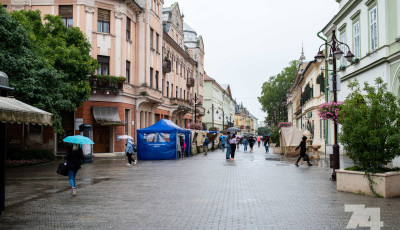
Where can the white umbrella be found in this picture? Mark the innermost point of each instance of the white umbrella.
(125, 137)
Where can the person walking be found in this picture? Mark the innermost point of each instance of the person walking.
(130, 149)
(245, 143)
(266, 144)
(182, 146)
(228, 146)
(233, 142)
(303, 150)
(74, 159)
(205, 144)
(223, 143)
(251, 143)
(259, 141)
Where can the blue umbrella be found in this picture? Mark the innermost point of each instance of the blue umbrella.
(78, 139)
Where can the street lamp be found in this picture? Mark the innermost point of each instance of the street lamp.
(334, 49)
(195, 110)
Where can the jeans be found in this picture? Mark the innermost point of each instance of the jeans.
(223, 146)
(266, 148)
(245, 147)
(259, 144)
(72, 177)
(228, 152)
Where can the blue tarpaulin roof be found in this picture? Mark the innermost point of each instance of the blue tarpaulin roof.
(161, 126)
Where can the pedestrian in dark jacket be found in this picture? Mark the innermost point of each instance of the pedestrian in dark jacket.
(74, 160)
(251, 143)
(303, 150)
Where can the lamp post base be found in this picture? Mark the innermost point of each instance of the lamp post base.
(336, 164)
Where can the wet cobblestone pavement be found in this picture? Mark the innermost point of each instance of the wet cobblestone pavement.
(256, 191)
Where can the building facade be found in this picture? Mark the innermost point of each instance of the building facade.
(244, 120)
(218, 104)
(131, 39)
(371, 28)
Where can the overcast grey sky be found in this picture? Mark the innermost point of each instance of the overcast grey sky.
(248, 41)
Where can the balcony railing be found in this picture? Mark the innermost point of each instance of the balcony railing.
(178, 101)
(190, 82)
(106, 82)
(166, 67)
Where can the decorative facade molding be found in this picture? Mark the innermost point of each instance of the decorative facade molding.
(89, 9)
(119, 15)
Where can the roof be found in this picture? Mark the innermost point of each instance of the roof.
(163, 125)
(208, 78)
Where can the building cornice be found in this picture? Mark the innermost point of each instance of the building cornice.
(347, 8)
(177, 47)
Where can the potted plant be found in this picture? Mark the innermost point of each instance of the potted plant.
(370, 134)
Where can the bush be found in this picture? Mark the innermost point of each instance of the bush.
(31, 154)
(275, 136)
(370, 127)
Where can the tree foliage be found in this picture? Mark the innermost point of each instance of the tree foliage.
(48, 64)
(370, 126)
(264, 131)
(275, 89)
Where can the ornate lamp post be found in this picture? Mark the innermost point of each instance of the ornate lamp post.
(334, 52)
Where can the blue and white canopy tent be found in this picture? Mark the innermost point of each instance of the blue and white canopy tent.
(160, 141)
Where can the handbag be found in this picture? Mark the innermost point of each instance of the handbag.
(62, 169)
(306, 158)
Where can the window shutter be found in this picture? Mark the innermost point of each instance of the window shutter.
(65, 11)
(104, 15)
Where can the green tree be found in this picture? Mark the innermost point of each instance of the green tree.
(264, 131)
(48, 63)
(274, 91)
(370, 127)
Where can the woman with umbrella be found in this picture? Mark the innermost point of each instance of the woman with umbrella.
(75, 157)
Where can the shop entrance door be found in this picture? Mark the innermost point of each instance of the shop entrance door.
(101, 138)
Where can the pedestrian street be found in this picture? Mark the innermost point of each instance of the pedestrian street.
(256, 191)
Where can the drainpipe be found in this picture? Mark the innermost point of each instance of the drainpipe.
(326, 84)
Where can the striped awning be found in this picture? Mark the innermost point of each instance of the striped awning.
(107, 116)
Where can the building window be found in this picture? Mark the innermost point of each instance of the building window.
(104, 65)
(157, 45)
(184, 94)
(180, 91)
(128, 28)
(103, 21)
(151, 38)
(356, 34)
(176, 92)
(127, 121)
(5, 7)
(343, 48)
(128, 71)
(151, 77)
(66, 13)
(167, 89)
(373, 27)
(156, 79)
(172, 90)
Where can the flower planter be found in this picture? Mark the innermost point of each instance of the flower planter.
(387, 184)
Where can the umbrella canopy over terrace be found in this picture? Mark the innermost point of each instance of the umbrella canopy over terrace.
(14, 111)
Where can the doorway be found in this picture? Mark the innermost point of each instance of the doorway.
(101, 138)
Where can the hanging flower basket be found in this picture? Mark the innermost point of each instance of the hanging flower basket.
(330, 111)
(284, 124)
(196, 126)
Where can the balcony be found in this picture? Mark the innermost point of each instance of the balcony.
(190, 82)
(166, 66)
(108, 83)
(145, 90)
(179, 102)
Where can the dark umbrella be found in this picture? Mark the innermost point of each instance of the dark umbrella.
(233, 129)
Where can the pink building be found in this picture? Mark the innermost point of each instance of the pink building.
(130, 39)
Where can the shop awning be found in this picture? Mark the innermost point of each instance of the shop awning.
(14, 111)
(107, 115)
